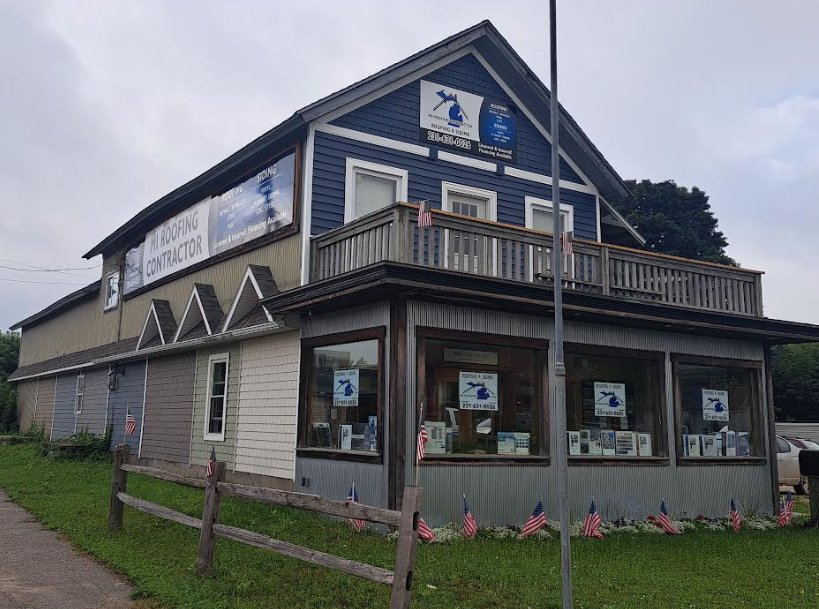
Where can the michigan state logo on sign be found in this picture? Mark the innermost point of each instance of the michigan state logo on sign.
(345, 388)
(609, 399)
(478, 391)
(714, 405)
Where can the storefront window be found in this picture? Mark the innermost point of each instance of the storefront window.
(481, 399)
(719, 411)
(614, 404)
(344, 403)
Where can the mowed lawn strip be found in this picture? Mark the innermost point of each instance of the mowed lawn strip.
(702, 569)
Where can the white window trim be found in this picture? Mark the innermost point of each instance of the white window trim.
(357, 165)
(105, 305)
(491, 196)
(216, 358)
(533, 203)
(78, 393)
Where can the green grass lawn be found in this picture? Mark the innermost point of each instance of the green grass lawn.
(702, 569)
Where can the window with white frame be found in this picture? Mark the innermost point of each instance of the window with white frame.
(370, 187)
(78, 398)
(112, 291)
(216, 409)
(540, 217)
(473, 203)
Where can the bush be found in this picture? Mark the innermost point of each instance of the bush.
(8, 408)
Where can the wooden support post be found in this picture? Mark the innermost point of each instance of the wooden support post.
(210, 516)
(813, 493)
(119, 484)
(407, 548)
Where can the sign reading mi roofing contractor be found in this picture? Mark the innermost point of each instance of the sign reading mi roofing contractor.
(467, 122)
(248, 210)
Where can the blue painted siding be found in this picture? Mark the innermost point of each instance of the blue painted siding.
(425, 177)
(64, 400)
(396, 115)
(128, 397)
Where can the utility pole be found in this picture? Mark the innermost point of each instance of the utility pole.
(560, 366)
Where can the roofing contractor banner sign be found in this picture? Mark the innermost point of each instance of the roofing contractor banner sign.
(248, 210)
(467, 122)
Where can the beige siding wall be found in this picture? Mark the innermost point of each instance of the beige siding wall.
(44, 410)
(268, 406)
(200, 448)
(86, 325)
(26, 403)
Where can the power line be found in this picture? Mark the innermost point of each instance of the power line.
(32, 268)
(40, 282)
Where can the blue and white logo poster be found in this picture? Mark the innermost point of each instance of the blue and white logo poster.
(345, 388)
(609, 399)
(478, 391)
(714, 405)
(467, 122)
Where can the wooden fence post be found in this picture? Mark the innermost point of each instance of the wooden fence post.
(407, 548)
(119, 484)
(210, 516)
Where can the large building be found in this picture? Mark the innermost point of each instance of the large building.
(286, 309)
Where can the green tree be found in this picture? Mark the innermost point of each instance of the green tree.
(675, 220)
(9, 352)
(795, 370)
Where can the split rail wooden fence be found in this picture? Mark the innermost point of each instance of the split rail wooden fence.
(406, 520)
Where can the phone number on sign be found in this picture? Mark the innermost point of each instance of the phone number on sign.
(449, 140)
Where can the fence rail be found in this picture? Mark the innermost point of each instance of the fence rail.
(492, 249)
(406, 520)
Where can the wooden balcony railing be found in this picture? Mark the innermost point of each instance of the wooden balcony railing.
(492, 249)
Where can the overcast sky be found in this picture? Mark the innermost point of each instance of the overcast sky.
(106, 106)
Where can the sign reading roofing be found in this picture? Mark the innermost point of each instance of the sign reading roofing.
(467, 122)
(247, 210)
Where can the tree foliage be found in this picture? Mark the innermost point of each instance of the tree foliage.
(9, 351)
(795, 370)
(675, 220)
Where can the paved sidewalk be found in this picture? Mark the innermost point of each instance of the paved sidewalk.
(38, 570)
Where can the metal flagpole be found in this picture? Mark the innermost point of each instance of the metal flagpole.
(560, 367)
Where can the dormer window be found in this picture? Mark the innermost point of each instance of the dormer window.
(112, 291)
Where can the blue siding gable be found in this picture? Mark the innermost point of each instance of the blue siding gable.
(396, 115)
(425, 177)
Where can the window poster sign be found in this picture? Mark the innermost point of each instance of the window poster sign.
(478, 390)
(609, 399)
(247, 210)
(468, 356)
(345, 388)
(714, 405)
(467, 122)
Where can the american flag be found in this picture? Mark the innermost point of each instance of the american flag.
(424, 532)
(212, 462)
(591, 526)
(536, 521)
(424, 215)
(470, 524)
(422, 435)
(786, 511)
(352, 496)
(566, 242)
(736, 519)
(665, 521)
(130, 424)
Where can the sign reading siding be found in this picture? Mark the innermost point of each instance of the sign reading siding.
(247, 210)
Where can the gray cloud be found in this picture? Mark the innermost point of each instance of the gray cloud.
(108, 106)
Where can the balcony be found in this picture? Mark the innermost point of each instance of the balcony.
(503, 251)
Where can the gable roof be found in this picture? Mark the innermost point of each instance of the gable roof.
(160, 325)
(257, 283)
(484, 37)
(203, 309)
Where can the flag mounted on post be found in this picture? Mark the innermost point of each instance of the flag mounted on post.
(212, 462)
(665, 521)
(470, 524)
(422, 435)
(536, 521)
(130, 424)
(352, 497)
(566, 239)
(591, 526)
(786, 510)
(733, 514)
(424, 532)
(424, 215)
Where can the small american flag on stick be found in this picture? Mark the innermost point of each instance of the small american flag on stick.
(566, 239)
(212, 462)
(424, 532)
(470, 524)
(424, 215)
(591, 526)
(786, 511)
(733, 514)
(352, 497)
(422, 435)
(665, 521)
(130, 424)
(536, 521)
